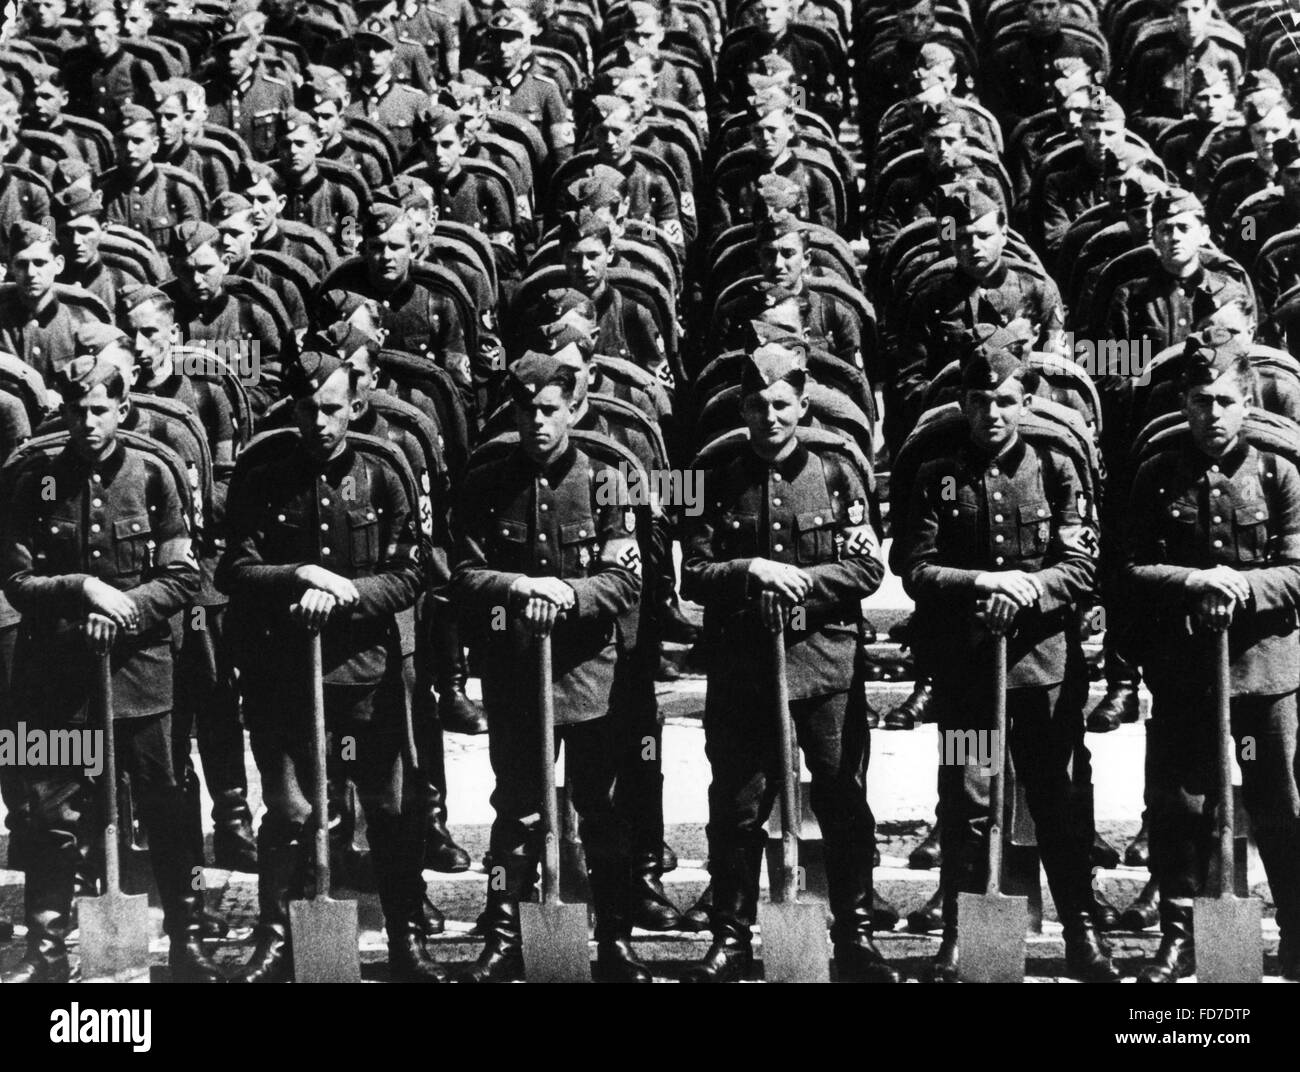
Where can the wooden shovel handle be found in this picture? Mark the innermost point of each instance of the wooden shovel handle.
(546, 754)
(104, 701)
(320, 790)
(789, 773)
(996, 783)
(1223, 716)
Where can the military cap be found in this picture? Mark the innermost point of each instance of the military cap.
(93, 338)
(1208, 354)
(1118, 159)
(1103, 107)
(575, 226)
(94, 7)
(432, 117)
(1258, 105)
(774, 228)
(44, 72)
(769, 295)
(1206, 75)
(1253, 82)
(607, 104)
(774, 65)
(379, 217)
(933, 95)
(933, 55)
(965, 202)
(534, 372)
(296, 117)
(767, 101)
(779, 314)
(325, 83)
(69, 172)
(1074, 77)
(1138, 191)
(227, 205)
(168, 88)
(784, 335)
(342, 338)
(603, 186)
(1016, 337)
(24, 233)
(508, 20)
(559, 301)
(575, 328)
(308, 373)
(82, 375)
(189, 235)
(643, 10)
(989, 365)
(255, 173)
(1286, 152)
(779, 193)
(377, 33)
(134, 295)
(935, 116)
(76, 201)
(761, 83)
(771, 364)
(406, 191)
(130, 114)
(1173, 202)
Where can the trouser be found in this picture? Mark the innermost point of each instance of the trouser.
(1182, 791)
(366, 732)
(1045, 743)
(60, 800)
(744, 751)
(10, 784)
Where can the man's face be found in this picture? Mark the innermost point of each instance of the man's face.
(329, 116)
(1098, 135)
(1192, 19)
(237, 234)
(772, 134)
(81, 237)
(1178, 239)
(201, 274)
(543, 424)
(646, 36)
(103, 33)
(588, 263)
(941, 74)
(8, 132)
(239, 59)
(774, 16)
(916, 23)
(508, 50)
(420, 222)
(93, 421)
(137, 145)
(138, 20)
(35, 270)
(571, 357)
(48, 102)
(614, 136)
(1272, 126)
(376, 59)
(979, 244)
(365, 379)
(196, 114)
(1213, 104)
(637, 95)
(783, 261)
(171, 122)
(323, 417)
(1215, 413)
(772, 416)
(300, 149)
(45, 14)
(447, 147)
(994, 416)
(1289, 177)
(943, 145)
(1072, 109)
(267, 205)
(151, 329)
(388, 255)
(1043, 16)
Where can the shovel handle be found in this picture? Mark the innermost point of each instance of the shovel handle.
(546, 753)
(789, 775)
(1223, 716)
(320, 794)
(997, 786)
(104, 701)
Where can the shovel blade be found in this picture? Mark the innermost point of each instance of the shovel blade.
(991, 930)
(1229, 944)
(794, 943)
(324, 936)
(114, 936)
(555, 943)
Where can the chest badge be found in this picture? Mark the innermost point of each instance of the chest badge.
(584, 556)
(629, 521)
(857, 512)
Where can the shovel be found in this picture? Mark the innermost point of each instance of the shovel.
(1229, 944)
(114, 927)
(554, 934)
(794, 934)
(992, 927)
(323, 930)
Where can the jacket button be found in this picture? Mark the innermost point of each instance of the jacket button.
(96, 502)
(94, 554)
(999, 560)
(999, 538)
(997, 496)
(582, 532)
(776, 526)
(778, 547)
(541, 537)
(324, 526)
(279, 517)
(776, 502)
(505, 532)
(1218, 520)
(1218, 543)
(997, 517)
(817, 521)
(1259, 515)
(1176, 513)
(324, 550)
(543, 507)
(735, 524)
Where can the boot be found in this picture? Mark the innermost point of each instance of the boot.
(674, 626)
(1103, 855)
(1138, 852)
(611, 879)
(872, 715)
(1176, 957)
(884, 916)
(929, 917)
(212, 927)
(47, 899)
(861, 961)
(1143, 912)
(1086, 956)
(188, 961)
(456, 711)
(943, 968)
(233, 846)
(174, 857)
(734, 868)
(916, 708)
(272, 959)
(1288, 958)
(852, 897)
(667, 859)
(407, 960)
(651, 909)
(502, 959)
(729, 960)
(1120, 704)
(927, 855)
(1104, 915)
(696, 918)
(280, 877)
(441, 853)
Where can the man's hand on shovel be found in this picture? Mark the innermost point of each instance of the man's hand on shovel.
(1217, 592)
(773, 609)
(101, 631)
(313, 609)
(106, 601)
(780, 578)
(544, 600)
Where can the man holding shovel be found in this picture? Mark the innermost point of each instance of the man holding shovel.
(784, 535)
(1215, 544)
(1000, 540)
(325, 538)
(546, 543)
(95, 553)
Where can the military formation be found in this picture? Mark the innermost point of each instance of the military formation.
(390, 331)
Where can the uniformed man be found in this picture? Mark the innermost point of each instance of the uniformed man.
(460, 195)
(1161, 84)
(180, 139)
(47, 25)
(326, 95)
(284, 18)
(310, 197)
(519, 86)
(135, 192)
(377, 93)
(635, 86)
(232, 216)
(210, 314)
(1000, 539)
(424, 26)
(887, 79)
(95, 553)
(23, 194)
(325, 538)
(1268, 120)
(264, 189)
(535, 538)
(1196, 576)
(79, 229)
(1210, 106)
(1071, 94)
(37, 324)
(244, 97)
(672, 81)
(101, 75)
(784, 542)
(1279, 271)
(44, 111)
(934, 83)
(814, 70)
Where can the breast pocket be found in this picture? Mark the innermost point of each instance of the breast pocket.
(1178, 527)
(510, 540)
(815, 536)
(1250, 530)
(958, 525)
(57, 548)
(286, 536)
(263, 135)
(1035, 528)
(737, 535)
(363, 537)
(133, 543)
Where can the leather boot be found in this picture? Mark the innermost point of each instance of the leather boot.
(852, 899)
(1138, 852)
(861, 961)
(212, 927)
(1103, 855)
(457, 713)
(1143, 912)
(502, 959)
(1119, 705)
(926, 855)
(1176, 957)
(729, 960)
(916, 708)
(1288, 958)
(651, 908)
(234, 847)
(943, 968)
(667, 859)
(441, 853)
(428, 919)
(884, 916)
(696, 918)
(47, 899)
(734, 868)
(611, 880)
(1086, 956)
(280, 877)
(408, 962)
(929, 917)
